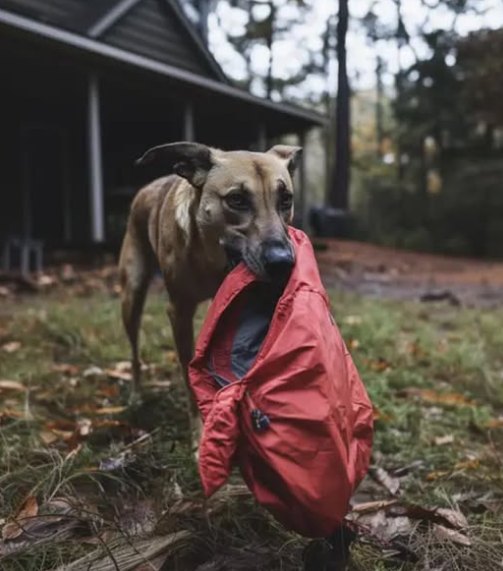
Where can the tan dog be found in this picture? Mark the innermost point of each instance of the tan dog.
(222, 207)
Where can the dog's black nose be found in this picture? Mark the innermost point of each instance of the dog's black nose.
(277, 258)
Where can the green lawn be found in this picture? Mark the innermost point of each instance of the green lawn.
(434, 372)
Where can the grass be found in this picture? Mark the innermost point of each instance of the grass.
(433, 372)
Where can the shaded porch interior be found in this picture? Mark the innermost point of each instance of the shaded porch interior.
(47, 164)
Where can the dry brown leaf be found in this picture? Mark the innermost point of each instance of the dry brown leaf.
(383, 527)
(65, 369)
(48, 437)
(443, 440)
(111, 391)
(433, 397)
(379, 415)
(470, 464)
(61, 424)
(121, 371)
(369, 507)
(454, 517)
(379, 365)
(445, 534)
(352, 320)
(353, 344)
(382, 477)
(495, 423)
(13, 529)
(4, 291)
(436, 475)
(11, 385)
(172, 357)
(110, 410)
(12, 346)
(46, 281)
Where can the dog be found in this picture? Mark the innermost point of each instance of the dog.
(213, 209)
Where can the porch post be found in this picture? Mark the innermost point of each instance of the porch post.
(95, 161)
(189, 132)
(302, 181)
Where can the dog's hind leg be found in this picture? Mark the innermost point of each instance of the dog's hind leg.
(136, 267)
(181, 315)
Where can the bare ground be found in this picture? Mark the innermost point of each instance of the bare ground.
(377, 271)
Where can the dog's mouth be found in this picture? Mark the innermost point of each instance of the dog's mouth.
(277, 269)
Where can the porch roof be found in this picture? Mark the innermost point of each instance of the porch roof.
(283, 117)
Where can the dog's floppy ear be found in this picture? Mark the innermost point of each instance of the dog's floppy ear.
(290, 155)
(191, 161)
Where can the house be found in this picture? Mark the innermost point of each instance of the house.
(87, 87)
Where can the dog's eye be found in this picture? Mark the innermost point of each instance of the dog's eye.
(286, 200)
(237, 201)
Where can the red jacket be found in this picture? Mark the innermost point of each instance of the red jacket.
(281, 398)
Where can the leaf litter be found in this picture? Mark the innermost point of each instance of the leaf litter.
(113, 460)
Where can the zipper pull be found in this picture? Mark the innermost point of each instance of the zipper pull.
(260, 420)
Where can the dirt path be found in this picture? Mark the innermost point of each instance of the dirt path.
(385, 272)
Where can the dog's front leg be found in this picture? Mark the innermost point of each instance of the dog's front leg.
(181, 315)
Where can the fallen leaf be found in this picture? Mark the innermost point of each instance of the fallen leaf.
(379, 365)
(385, 480)
(12, 385)
(13, 529)
(379, 415)
(443, 440)
(110, 391)
(110, 410)
(353, 344)
(61, 424)
(445, 534)
(495, 423)
(93, 372)
(383, 527)
(436, 475)
(431, 396)
(121, 371)
(4, 291)
(46, 281)
(352, 320)
(172, 357)
(65, 369)
(369, 507)
(471, 464)
(11, 347)
(48, 437)
(454, 517)
(119, 375)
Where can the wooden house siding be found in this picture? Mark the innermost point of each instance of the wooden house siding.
(151, 30)
(73, 15)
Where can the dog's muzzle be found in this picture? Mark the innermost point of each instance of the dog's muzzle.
(277, 258)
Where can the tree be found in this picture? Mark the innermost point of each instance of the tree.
(339, 188)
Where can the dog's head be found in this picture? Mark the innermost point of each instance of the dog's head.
(244, 198)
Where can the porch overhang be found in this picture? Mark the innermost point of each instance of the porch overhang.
(296, 118)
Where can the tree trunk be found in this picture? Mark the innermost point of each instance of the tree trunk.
(379, 108)
(270, 43)
(339, 194)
